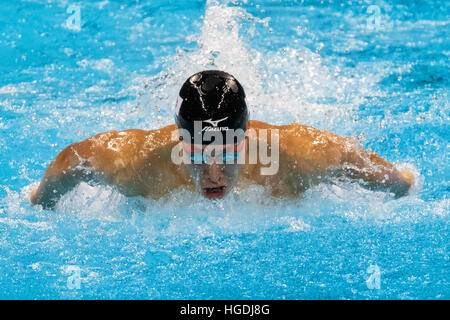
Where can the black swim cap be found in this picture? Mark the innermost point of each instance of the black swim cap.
(215, 99)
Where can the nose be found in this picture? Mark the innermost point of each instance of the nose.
(214, 174)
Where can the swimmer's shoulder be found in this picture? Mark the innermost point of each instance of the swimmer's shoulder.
(294, 129)
(121, 155)
(126, 145)
(306, 145)
(130, 138)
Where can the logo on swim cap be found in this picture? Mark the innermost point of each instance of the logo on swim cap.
(214, 123)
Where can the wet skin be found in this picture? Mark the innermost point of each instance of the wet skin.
(138, 163)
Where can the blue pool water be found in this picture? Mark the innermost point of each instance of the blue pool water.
(379, 73)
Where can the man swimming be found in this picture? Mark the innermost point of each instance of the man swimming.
(212, 104)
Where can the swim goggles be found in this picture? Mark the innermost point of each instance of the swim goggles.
(228, 154)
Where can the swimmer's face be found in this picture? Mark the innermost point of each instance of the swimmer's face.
(215, 178)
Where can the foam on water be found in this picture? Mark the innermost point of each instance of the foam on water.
(290, 84)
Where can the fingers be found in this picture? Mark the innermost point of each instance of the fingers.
(33, 196)
(408, 177)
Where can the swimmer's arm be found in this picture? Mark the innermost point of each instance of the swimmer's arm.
(321, 152)
(61, 176)
(376, 172)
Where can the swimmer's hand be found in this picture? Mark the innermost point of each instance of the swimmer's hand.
(402, 182)
(408, 176)
(376, 172)
(33, 196)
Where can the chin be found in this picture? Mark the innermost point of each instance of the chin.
(215, 193)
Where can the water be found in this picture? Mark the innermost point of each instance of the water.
(382, 76)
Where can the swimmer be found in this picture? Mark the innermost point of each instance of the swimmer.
(142, 162)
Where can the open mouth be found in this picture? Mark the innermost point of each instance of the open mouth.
(216, 192)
